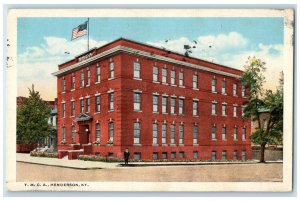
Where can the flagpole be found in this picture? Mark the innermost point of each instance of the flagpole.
(88, 39)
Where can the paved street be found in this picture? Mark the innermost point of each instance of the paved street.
(195, 173)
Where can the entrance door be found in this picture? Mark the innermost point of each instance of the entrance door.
(84, 134)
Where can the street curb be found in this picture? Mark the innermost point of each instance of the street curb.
(62, 166)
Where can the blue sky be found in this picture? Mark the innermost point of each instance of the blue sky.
(229, 41)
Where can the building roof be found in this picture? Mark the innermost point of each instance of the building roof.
(145, 50)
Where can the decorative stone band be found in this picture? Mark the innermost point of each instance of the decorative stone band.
(140, 53)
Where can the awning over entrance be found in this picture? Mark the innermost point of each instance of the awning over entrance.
(83, 117)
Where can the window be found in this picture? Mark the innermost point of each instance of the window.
(234, 133)
(88, 102)
(173, 76)
(164, 104)
(111, 101)
(88, 77)
(136, 70)
(137, 102)
(98, 102)
(195, 81)
(181, 106)
(213, 108)
(195, 134)
(63, 109)
(155, 156)
(181, 81)
(224, 153)
(195, 108)
(111, 70)
(234, 155)
(137, 133)
(265, 123)
(63, 85)
(98, 132)
(234, 89)
(243, 90)
(234, 111)
(81, 105)
(164, 155)
(213, 132)
(111, 131)
(195, 154)
(73, 133)
(244, 134)
(213, 155)
(73, 81)
(154, 133)
(172, 133)
(155, 74)
(181, 134)
(224, 133)
(213, 84)
(223, 109)
(181, 154)
(224, 87)
(243, 155)
(164, 75)
(173, 100)
(137, 156)
(72, 108)
(63, 134)
(173, 155)
(164, 133)
(82, 79)
(98, 78)
(155, 103)
(243, 110)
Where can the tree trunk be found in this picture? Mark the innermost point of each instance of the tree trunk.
(262, 153)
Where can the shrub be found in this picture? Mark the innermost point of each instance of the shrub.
(43, 154)
(99, 158)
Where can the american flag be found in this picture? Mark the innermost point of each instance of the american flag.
(81, 30)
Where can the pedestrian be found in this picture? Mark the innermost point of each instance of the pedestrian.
(126, 156)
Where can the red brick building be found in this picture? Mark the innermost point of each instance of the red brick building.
(157, 103)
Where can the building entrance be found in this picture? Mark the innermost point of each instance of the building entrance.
(84, 133)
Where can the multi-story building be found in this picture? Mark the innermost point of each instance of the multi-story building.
(157, 103)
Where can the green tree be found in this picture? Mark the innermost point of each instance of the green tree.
(269, 101)
(32, 119)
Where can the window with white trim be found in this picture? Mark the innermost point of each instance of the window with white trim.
(195, 154)
(164, 133)
(224, 155)
(111, 70)
(73, 81)
(181, 79)
(111, 101)
(137, 133)
(82, 79)
(98, 73)
(155, 133)
(181, 106)
(234, 133)
(97, 132)
(195, 107)
(111, 131)
(72, 108)
(213, 84)
(164, 104)
(63, 84)
(136, 70)
(213, 132)
(98, 103)
(88, 102)
(244, 134)
(234, 111)
(73, 133)
(243, 90)
(195, 134)
(243, 110)
(213, 155)
(195, 81)
(88, 72)
(223, 86)
(172, 133)
(164, 75)
(234, 155)
(155, 156)
(63, 106)
(155, 103)
(173, 77)
(173, 102)
(173, 155)
(63, 134)
(234, 89)
(137, 101)
(81, 105)
(213, 108)
(223, 109)
(223, 133)
(155, 73)
(181, 134)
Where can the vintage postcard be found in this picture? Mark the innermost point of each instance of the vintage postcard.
(149, 100)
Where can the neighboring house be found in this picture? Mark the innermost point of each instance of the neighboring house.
(159, 104)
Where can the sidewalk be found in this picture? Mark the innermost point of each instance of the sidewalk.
(86, 165)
